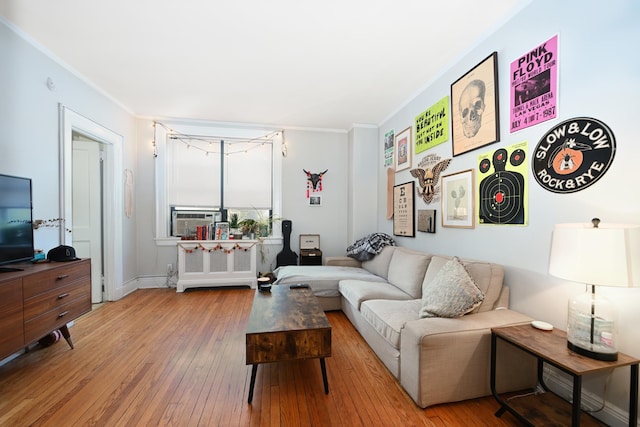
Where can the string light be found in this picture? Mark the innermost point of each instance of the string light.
(153, 142)
(189, 140)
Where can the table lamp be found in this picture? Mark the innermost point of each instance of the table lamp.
(595, 254)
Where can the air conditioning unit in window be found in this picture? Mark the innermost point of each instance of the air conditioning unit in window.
(185, 222)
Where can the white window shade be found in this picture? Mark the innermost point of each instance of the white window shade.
(193, 175)
(248, 175)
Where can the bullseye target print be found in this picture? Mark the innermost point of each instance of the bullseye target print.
(502, 189)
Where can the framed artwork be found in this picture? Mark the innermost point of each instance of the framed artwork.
(427, 220)
(404, 209)
(474, 107)
(388, 149)
(222, 231)
(403, 149)
(315, 200)
(458, 200)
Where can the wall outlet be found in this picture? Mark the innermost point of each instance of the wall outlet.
(169, 268)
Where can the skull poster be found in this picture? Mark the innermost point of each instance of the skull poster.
(474, 107)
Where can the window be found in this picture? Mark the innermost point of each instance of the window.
(213, 168)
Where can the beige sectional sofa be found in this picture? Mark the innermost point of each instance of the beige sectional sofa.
(436, 359)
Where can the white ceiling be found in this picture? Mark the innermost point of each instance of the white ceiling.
(329, 64)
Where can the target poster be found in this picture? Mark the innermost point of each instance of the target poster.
(432, 126)
(534, 86)
(502, 186)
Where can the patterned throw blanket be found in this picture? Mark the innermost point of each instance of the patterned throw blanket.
(369, 246)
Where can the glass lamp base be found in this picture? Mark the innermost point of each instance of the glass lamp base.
(593, 353)
(591, 327)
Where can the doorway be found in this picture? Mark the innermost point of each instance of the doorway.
(87, 203)
(111, 145)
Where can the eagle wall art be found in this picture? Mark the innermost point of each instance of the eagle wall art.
(428, 178)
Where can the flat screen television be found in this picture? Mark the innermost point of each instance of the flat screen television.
(16, 231)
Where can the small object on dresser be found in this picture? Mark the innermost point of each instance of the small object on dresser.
(62, 253)
(299, 286)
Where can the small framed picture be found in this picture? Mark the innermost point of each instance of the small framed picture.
(315, 200)
(458, 200)
(427, 220)
(222, 231)
(403, 149)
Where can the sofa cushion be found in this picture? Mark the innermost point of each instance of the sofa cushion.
(487, 276)
(407, 269)
(450, 293)
(379, 264)
(357, 291)
(389, 317)
(322, 279)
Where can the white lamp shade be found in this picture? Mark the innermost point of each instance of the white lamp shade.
(607, 255)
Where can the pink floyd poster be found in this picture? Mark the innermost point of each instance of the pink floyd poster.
(534, 86)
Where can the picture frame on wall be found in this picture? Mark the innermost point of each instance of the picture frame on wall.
(315, 200)
(404, 221)
(475, 119)
(458, 200)
(427, 220)
(402, 144)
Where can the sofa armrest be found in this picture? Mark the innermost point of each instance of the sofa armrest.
(342, 261)
(447, 360)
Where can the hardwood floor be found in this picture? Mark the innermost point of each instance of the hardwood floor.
(158, 357)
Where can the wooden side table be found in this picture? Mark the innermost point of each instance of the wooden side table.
(551, 347)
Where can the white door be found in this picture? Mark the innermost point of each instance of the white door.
(87, 209)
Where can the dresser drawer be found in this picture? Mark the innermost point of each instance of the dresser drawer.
(56, 278)
(55, 298)
(11, 324)
(37, 327)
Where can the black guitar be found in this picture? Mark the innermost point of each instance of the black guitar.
(286, 255)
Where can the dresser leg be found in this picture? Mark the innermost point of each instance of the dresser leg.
(67, 336)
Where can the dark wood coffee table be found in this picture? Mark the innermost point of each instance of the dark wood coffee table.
(287, 324)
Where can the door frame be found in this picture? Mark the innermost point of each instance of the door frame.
(113, 208)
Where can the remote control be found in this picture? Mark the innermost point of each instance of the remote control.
(299, 286)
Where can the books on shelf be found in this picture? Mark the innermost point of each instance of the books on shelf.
(217, 231)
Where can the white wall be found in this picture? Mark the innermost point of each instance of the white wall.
(362, 192)
(316, 151)
(598, 78)
(29, 136)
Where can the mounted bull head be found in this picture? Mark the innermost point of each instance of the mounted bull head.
(314, 178)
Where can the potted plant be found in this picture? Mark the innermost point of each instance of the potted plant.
(234, 225)
(249, 227)
(259, 229)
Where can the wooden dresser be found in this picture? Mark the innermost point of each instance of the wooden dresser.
(40, 299)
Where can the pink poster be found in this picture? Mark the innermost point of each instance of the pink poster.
(534, 86)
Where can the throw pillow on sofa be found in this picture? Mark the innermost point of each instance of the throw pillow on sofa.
(407, 269)
(451, 293)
